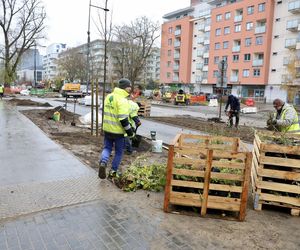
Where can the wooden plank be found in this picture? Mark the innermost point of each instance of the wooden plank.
(225, 176)
(285, 175)
(280, 161)
(187, 172)
(218, 187)
(185, 199)
(228, 164)
(279, 187)
(244, 196)
(223, 203)
(282, 199)
(188, 161)
(280, 149)
(257, 140)
(228, 155)
(206, 181)
(295, 212)
(256, 150)
(175, 141)
(168, 178)
(189, 151)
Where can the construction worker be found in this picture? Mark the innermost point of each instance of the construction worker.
(234, 111)
(134, 122)
(285, 119)
(115, 126)
(137, 92)
(1, 91)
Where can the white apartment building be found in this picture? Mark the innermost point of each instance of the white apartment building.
(152, 67)
(49, 60)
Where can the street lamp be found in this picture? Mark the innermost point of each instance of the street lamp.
(34, 64)
(222, 69)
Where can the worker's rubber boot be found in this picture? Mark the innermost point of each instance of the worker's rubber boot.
(102, 170)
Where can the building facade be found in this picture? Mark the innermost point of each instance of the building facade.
(50, 60)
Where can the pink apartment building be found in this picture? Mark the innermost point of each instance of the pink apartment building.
(176, 46)
(241, 34)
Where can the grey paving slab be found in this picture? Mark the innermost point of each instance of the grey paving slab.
(28, 155)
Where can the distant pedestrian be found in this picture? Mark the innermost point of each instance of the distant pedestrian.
(134, 122)
(235, 108)
(115, 125)
(285, 119)
(1, 91)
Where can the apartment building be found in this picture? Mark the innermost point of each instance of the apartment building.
(241, 34)
(285, 51)
(49, 60)
(176, 46)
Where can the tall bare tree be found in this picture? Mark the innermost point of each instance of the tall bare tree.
(134, 45)
(72, 65)
(22, 23)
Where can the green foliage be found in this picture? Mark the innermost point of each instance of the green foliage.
(152, 178)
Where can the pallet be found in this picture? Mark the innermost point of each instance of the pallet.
(275, 174)
(193, 179)
(145, 109)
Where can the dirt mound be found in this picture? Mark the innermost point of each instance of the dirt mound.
(21, 102)
(64, 114)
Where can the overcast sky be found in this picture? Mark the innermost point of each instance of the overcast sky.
(68, 19)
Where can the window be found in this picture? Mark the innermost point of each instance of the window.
(170, 41)
(226, 30)
(219, 17)
(247, 57)
(169, 52)
(256, 72)
(248, 42)
(246, 73)
(217, 46)
(224, 58)
(259, 40)
(205, 74)
(168, 74)
(216, 60)
(235, 58)
(225, 45)
(169, 64)
(216, 73)
(250, 10)
(218, 32)
(237, 28)
(261, 7)
(205, 62)
(249, 26)
(227, 15)
(170, 30)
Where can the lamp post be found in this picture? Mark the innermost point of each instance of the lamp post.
(222, 69)
(34, 65)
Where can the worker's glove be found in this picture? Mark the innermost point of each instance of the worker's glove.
(274, 121)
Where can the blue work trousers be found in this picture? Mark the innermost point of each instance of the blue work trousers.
(108, 146)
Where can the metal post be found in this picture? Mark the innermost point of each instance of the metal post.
(105, 62)
(34, 71)
(92, 108)
(221, 89)
(97, 108)
(88, 50)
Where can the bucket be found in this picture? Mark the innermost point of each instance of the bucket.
(157, 146)
(136, 142)
(56, 116)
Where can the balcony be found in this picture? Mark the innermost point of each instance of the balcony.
(176, 56)
(260, 29)
(234, 79)
(258, 62)
(198, 79)
(199, 66)
(291, 43)
(238, 18)
(286, 79)
(177, 44)
(176, 67)
(200, 40)
(294, 6)
(292, 25)
(236, 48)
(177, 32)
(200, 53)
(206, 55)
(206, 42)
(207, 28)
(201, 27)
(175, 79)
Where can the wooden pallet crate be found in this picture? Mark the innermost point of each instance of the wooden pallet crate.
(210, 173)
(145, 109)
(275, 174)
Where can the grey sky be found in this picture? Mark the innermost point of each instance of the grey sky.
(68, 19)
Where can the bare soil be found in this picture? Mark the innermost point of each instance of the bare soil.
(79, 140)
(23, 102)
(215, 128)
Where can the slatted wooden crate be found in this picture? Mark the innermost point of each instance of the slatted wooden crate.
(145, 108)
(275, 174)
(211, 173)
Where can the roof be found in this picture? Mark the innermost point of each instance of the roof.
(178, 12)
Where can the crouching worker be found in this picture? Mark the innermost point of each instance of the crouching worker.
(115, 126)
(134, 122)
